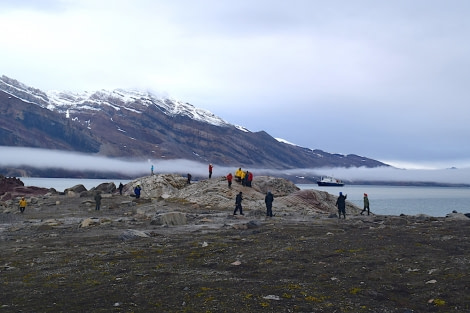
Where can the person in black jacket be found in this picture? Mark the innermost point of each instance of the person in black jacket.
(97, 201)
(366, 205)
(238, 204)
(341, 204)
(269, 203)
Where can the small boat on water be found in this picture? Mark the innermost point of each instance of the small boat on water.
(330, 181)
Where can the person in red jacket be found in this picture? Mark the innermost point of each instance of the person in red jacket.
(229, 180)
(210, 170)
(250, 179)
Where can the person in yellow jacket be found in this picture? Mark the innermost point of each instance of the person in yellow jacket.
(238, 175)
(22, 204)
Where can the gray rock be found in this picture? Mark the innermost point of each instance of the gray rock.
(279, 187)
(456, 216)
(130, 234)
(105, 188)
(91, 221)
(253, 224)
(169, 219)
(77, 189)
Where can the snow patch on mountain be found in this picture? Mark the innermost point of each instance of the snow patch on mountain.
(286, 142)
(243, 129)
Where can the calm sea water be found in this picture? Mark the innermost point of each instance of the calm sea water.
(393, 200)
(387, 200)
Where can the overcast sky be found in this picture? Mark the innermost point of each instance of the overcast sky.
(382, 79)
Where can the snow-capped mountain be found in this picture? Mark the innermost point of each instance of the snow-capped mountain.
(131, 100)
(131, 123)
(118, 99)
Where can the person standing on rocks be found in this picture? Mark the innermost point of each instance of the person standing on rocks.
(121, 186)
(245, 178)
(210, 170)
(249, 179)
(341, 204)
(189, 179)
(137, 191)
(238, 204)
(229, 180)
(97, 200)
(22, 204)
(366, 205)
(238, 174)
(151, 170)
(269, 203)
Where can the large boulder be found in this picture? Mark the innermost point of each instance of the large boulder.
(77, 189)
(156, 186)
(105, 188)
(315, 201)
(279, 187)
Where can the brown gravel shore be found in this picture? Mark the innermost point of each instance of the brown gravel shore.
(122, 261)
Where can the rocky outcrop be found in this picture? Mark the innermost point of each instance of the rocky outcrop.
(9, 183)
(156, 186)
(457, 216)
(215, 194)
(12, 187)
(210, 194)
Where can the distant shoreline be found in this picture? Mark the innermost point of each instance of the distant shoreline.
(294, 179)
(382, 183)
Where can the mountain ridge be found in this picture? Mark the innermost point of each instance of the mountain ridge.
(131, 123)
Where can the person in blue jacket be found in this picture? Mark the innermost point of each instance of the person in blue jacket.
(137, 191)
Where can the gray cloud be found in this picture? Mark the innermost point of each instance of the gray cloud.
(386, 80)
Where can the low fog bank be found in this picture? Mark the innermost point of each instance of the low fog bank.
(42, 158)
(391, 174)
(73, 161)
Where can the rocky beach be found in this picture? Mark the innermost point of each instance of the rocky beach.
(179, 248)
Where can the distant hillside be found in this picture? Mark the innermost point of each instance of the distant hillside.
(127, 123)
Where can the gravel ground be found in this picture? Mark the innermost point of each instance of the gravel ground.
(223, 263)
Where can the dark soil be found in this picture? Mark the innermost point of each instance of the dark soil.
(222, 263)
